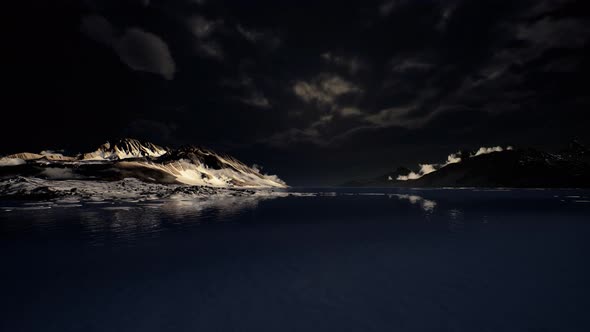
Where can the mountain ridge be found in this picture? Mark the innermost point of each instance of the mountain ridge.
(129, 157)
(494, 167)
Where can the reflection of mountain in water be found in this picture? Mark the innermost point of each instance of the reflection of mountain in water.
(426, 204)
(129, 220)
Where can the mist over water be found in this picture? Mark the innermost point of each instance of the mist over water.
(315, 260)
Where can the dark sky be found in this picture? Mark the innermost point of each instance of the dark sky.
(315, 91)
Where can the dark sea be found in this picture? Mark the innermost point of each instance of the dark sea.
(317, 260)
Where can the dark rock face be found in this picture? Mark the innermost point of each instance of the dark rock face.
(195, 154)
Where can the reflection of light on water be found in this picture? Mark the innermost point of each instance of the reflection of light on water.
(425, 204)
(119, 224)
(127, 221)
(456, 220)
(455, 214)
(428, 205)
(219, 207)
(573, 198)
(130, 222)
(578, 199)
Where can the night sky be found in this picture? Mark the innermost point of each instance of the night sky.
(317, 92)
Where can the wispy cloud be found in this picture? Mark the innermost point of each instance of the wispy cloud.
(349, 111)
(210, 49)
(268, 39)
(204, 30)
(257, 100)
(386, 7)
(324, 89)
(202, 27)
(401, 116)
(352, 64)
(247, 90)
(99, 29)
(410, 65)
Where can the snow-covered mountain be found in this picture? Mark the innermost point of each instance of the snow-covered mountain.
(131, 158)
(124, 149)
(199, 166)
(47, 155)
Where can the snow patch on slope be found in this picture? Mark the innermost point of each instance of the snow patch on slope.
(451, 159)
(198, 174)
(9, 161)
(125, 149)
(484, 150)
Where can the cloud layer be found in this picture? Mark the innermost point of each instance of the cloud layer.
(372, 84)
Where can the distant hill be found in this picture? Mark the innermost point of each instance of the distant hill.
(515, 168)
(382, 180)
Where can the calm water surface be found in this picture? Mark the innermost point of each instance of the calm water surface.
(345, 260)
